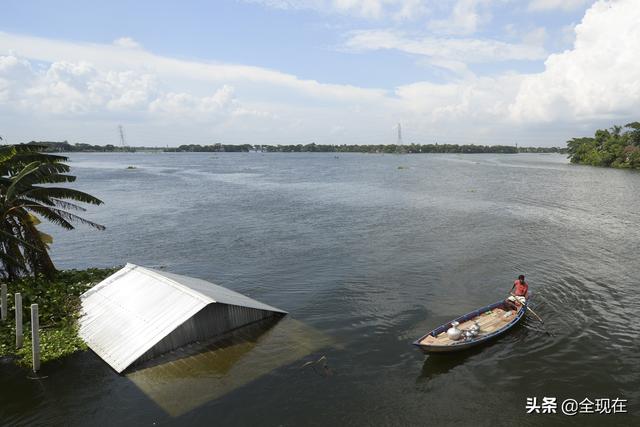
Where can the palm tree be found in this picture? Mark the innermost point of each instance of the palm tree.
(26, 193)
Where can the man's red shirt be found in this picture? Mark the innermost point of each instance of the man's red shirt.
(521, 289)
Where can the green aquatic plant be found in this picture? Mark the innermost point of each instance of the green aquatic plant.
(58, 300)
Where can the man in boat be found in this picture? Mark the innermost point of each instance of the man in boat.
(519, 292)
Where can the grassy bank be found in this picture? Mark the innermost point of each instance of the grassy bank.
(58, 302)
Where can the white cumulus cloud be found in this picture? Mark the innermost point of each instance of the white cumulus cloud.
(598, 78)
(186, 104)
(68, 88)
(111, 57)
(15, 74)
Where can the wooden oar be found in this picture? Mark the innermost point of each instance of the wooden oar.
(535, 314)
(528, 308)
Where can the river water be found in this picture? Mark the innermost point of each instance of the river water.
(366, 253)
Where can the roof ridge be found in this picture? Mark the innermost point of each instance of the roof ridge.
(204, 298)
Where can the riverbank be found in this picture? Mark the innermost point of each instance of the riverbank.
(59, 307)
(617, 147)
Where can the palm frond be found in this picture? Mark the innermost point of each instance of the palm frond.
(76, 218)
(16, 180)
(68, 205)
(50, 215)
(63, 193)
(23, 199)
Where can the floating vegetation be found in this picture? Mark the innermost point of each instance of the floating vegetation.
(59, 304)
(403, 167)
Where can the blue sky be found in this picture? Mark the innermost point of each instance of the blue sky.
(329, 71)
(305, 42)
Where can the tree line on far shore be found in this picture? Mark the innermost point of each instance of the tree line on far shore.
(304, 148)
(618, 147)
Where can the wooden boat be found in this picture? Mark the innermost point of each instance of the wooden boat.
(494, 320)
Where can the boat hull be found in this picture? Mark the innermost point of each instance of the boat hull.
(423, 342)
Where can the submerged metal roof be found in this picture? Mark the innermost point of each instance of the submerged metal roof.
(133, 309)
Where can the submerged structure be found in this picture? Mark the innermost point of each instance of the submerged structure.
(138, 313)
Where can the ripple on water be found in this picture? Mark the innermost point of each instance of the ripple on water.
(374, 257)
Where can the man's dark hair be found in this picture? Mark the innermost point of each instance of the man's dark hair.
(521, 277)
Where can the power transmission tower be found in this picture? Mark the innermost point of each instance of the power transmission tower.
(121, 132)
(399, 146)
(123, 142)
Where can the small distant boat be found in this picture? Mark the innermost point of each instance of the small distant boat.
(474, 328)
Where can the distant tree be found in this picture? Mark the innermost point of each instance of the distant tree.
(634, 133)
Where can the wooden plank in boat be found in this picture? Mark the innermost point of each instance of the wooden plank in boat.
(488, 323)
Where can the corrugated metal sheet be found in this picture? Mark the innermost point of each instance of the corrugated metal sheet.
(215, 292)
(126, 315)
(213, 320)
